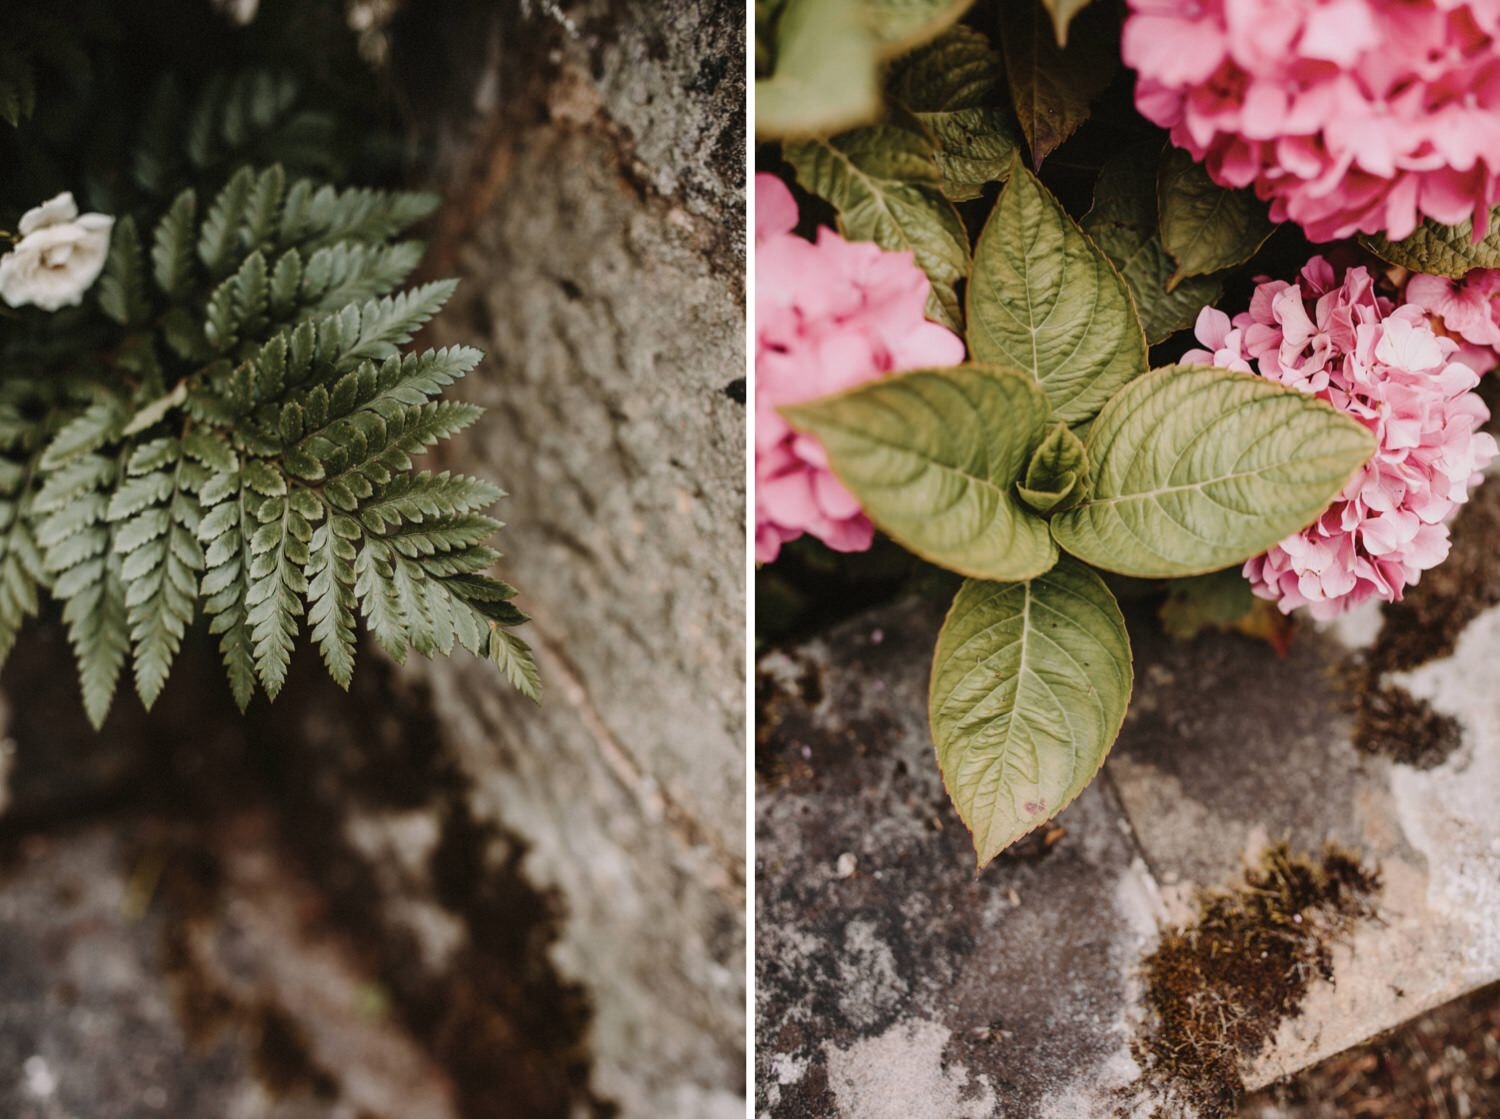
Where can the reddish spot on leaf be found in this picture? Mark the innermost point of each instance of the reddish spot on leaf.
(1034, 808)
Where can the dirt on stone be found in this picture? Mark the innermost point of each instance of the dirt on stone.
(1423, 626)
(1218, 989)
(1442, 1065)
(497, 1011)
(1391, 722)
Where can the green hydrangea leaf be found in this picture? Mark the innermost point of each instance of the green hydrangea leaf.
(885, 184)
(826, 75)
(1030, 682)
(1196, 468)
(1043, 298)
(1123, 223)
(934, 457)
(1205, 227)
(954, 86)
(1442, 250)
(1051, 86)
(900, 25)
(1057, 474)
(1219, 600)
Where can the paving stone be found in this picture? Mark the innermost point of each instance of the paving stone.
(1017, 993)
(1231, 746)
(891, 980)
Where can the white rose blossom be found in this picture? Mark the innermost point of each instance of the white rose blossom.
(58, 258)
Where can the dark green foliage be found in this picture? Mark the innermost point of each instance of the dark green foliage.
(243, 450)
(36, 41)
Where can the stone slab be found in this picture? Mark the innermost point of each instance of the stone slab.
(893, 982)
(1232, 746)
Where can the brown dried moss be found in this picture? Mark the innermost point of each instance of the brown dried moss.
(1423, 626)
(1391, 722)
(1217, 989)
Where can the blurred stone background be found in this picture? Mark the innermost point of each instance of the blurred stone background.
(429, 899)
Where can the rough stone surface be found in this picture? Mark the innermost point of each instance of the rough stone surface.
(890, 979)
(594, 168)
(117, 1005)
(897, 957)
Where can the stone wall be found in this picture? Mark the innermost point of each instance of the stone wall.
(594, 166)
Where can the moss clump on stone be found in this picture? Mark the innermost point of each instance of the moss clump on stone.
(1217, 989)
(1392, 723)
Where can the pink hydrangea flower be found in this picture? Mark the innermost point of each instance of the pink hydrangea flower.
(1346, 115)
(828, 316)
(1467, 310)
(1332, 335)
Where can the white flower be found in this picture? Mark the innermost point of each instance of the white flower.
(58, 258)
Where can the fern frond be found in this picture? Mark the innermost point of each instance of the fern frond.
(318, 216)
(222, 533)
(514, 658)
(246, 446)
(331, 595)
(221, 228)
(77, 543)
(172, 247)
(156, 517)
(122, 285)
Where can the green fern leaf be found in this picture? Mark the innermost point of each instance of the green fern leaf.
(323, 216)
(225, 583)
(156, 517)
(220, 236)
(278, 561)
(331, 595)
(353, 272)
(172, 247)
(122, 286)
(98, 424)
(379, 603)
(387, 323)
(515, 659)
(263, 209)
(76, 541)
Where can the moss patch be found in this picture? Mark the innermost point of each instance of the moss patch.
(1393, 723)
(1424, 626)
(1218, 988)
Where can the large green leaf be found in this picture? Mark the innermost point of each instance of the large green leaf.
(1030, 682)
(1052, 86)
(885, 184)
(1205, 227)
(1197, 468)
(954, 87)
(1123, 224)
(1442, 250)
(934, 456)
(1043, 298)
(901, 25)
(826, 74)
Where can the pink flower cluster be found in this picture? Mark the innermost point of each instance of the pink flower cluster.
(1346, 115)
(828, 316)
(1333, 336)
(1467, 310)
